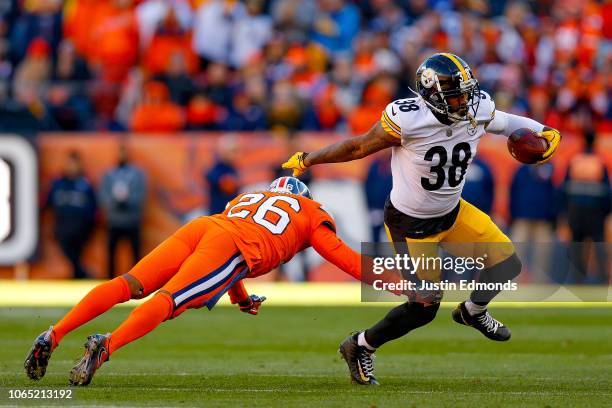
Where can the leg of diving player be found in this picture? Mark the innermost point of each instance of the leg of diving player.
(153, 271)
(213, 267)
(147, 276)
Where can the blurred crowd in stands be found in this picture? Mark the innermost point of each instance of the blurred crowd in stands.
(582, 202)
(121, 197)
(169, 65)
(161, 66)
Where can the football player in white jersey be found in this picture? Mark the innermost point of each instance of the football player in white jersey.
(433, 135)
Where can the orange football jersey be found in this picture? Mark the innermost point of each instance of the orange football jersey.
(270, 227)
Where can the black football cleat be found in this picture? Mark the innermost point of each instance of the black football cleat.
(38, 358)
(96, 353)
(483, 322)
(360, 361)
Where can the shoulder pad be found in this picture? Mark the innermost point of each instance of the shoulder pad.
(486, 109)
(325, 210)
(390, 120)
(328, 219)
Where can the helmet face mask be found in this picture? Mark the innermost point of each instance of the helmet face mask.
(448, 87)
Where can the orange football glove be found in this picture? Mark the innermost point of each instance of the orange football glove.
(252, 304)
(296, 163)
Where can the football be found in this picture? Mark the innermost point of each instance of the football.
(526, 146)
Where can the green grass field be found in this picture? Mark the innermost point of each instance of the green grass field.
(287, 357)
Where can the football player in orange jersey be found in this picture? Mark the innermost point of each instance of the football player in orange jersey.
(197, 265)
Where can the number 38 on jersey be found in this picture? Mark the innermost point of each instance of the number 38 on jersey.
(454, 173)
(433, 158)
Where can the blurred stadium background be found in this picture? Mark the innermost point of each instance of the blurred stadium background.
(206, 98)
(191, 88)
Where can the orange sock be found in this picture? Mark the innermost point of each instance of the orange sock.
(141, 321)
(97, 301)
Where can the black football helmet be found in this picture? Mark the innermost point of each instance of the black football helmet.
(443, 77)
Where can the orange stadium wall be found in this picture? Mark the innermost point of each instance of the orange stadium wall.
(175, 165)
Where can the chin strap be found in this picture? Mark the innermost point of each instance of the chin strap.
(472, 120)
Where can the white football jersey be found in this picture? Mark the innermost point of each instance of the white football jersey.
(430, 165)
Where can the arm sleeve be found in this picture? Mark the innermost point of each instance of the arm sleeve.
(238, 293)
(330, 247)
(504, 123)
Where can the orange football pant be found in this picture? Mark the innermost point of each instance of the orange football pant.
(192, 268)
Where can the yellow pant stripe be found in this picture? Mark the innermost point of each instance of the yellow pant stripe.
(388, 233)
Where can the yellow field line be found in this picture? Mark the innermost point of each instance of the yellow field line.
(67, 293)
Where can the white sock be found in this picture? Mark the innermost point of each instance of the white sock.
(473, 308)
(363, 343)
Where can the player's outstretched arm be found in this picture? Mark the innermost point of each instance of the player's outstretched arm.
(252, 304)
(506, 123)
(333, 249)
(238, 293)
(354, 148)
(247, 303)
